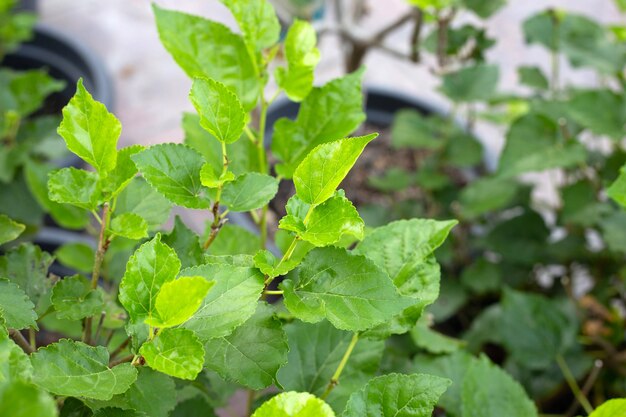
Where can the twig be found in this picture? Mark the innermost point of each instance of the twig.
(21, 340)
(415, 36)
(125, 359)
(120, 348)
(573, 385)
(591, 379)
(344, 360)
(250, 402)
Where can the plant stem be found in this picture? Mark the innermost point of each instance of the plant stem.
(591, 379)
(32, 338)
(285, 258)
(21, 340)
(215, 210)
(125, 359)
(263, 166)
(120, 348)
(273, 292)
(250, 401)
(571, 381)
(335, 378)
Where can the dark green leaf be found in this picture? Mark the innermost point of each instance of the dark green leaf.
(476, 83)
(249, 191)
(533, 77)
(15, 307)
(74, 299)
(186, 244)
(141, 199)
(27, 266)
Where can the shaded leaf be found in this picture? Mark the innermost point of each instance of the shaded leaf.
(130, 226)
(74, 299)
(15, 306)
(9, 229)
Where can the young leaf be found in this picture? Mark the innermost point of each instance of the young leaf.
(249, 191)
(302, 58)
(15, 307)
(175, 352)
(125, 170)
(294, 404)
(90, 131)
(328, 113)
(74, 186)
(489, 391)
(22, 399)
(258, 347)
(27, 266)
(258, 22)
(617, 190)
(130, 226)
(141, 199)
(74, 369)
(477, 83)
(349, 290)
(271, 266)
(319, 174)
(204, 48)
(235, 240)
(151, 266)
(185, 242)
(174, 171)
(397, 395)
(9, 230)
(74, 299)
(211, 179)
(231, 301)
(432, 341)
(484, 8)
(219, 108)
(331, 220)
(612, 408)
(178, 300)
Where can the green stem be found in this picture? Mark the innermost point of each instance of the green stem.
(20, 340)
(285, 258)
(218, 220)
(571, 381)
(272, 292)
(32, 338)
(335, 378)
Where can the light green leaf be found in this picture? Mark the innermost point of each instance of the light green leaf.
(204, 48)
(14, 363)
(78, 256)
(249, 191)
(349, 290)
(612, 408)
(15, 306)
(178, 300)
(397, 395)
(90, 131)
(319, 174)
(258, 347)
(74, 299)
(74, 186)
(294, 404)
(210, 178)
(69, 368)
(257, 20)
(175, 352)
(174, 171)
(9, 230)
(476, 83)
(272, 266)
(141, 199)
(185, 242)
(331, 220)
(151, 266)
(328, 113)
(489, 391)
(130, 226)
(27, 266)
(125, 170)
(21, 399)
(617, 190)
(231, 301)
(302, 57)
(533, 77)
(221, 113)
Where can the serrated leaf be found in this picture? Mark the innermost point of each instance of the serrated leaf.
(27, 266)
(75, 369)
(185, 242)
(489, 391)
(249, 191)
(14, 363)
(328, 113)
(612, 408)
(9, 229)
(258, 22)
(130, 226)
(272, 266)
(175, 352)
(209, 178)
(315, 351)
(74, 299)
(178, 300)
(125, 170)
(141, 199)
(258, 347)
(475, 83)
(349, 290)
(221, 113)
(174, 171)
(294, 404)
(231, 301)
(74, 186)
(15, 306)
(302, 57)
(204, 48)
(331, 220)
(322, 170)
(90, 131)
(151, 266)
(397, 395)
(21, 399)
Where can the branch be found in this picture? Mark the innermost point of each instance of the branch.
(21, 340)
(415, 36)
(571, 381)
(382, 34)
(335, 378)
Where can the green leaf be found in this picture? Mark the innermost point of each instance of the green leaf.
(463, 150)
(26, 91)
(258, 347)
(432, 341)
(393, 179)
(125, 170)
(319, 174)
(302, 57)
(221, 113)
(178, 300)
(130, 226)
(9, 230)
(231, 301)
(69, 368)
(533, 144)
(331, 220)
(141, 199)
(476, 83)
(612, 408)
(174, 171)
(249, 191)
(21, 399)
(27, 266)
(315, 351)
(617, 190)
(581, 204)
(272, 266)
(151, 266)
(489, 391)
(185, 242)
(90, 131)
(175, 352)
(74, 299)
(487, 195)
(235, 240)
(611, 227)
(117, 412)
(14, 363)
(294, 404)
(482, 277)
(484, 8)
(397, 395)
(327, 114)
(74, 186)
(258, 22)
(349, 290)
(204, 48)
(15, 306)
(412, 129)
(601, 111)
(210, 178)
(533, 77)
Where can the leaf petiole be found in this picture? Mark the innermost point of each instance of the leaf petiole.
(344, 360)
